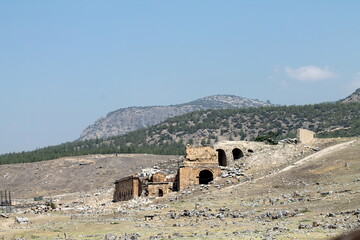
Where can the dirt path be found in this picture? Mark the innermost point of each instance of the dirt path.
(317, 155)
(312, 157)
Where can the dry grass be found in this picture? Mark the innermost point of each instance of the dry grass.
(335, 171)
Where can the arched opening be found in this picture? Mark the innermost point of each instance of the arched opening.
(222, 157)
(237, 153)
(160, 193)
(205, 176)
(250, 151)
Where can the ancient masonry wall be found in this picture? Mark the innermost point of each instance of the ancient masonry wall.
(127, 188)
(202, 164)
(158, 186)
(190, 174)
(201, 154)
(198, 160)
(305, 136)
(159, 189)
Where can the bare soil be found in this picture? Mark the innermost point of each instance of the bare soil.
(73, 174)
(306, 195)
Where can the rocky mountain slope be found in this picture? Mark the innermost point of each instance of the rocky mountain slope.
(209, 127)
(354, 97)
(125, 120)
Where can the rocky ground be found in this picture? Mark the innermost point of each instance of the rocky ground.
(305, 192)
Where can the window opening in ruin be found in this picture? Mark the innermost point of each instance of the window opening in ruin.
(160, 193)
(237, 153)
(222, 157)
(205, 176)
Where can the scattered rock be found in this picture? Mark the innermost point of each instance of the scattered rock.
(22, 220)
(304, 226)
(110, 236)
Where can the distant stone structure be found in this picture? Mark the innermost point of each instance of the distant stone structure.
(155, 185)
(159, 185)
(127, 188)
(201, 165)
(5, 198)
(305, 136)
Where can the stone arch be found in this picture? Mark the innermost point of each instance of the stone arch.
(160, 192)
(222, 157)
(237, 153)
(205, 176)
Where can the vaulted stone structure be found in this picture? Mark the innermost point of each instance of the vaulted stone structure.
(202, 165)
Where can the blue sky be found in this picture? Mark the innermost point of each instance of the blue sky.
(64, 64)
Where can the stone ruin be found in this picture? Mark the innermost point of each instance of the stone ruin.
(305, 136)
(127, 188)
(201, 165)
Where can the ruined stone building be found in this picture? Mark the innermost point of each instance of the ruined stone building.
(155, 185)
(305, 136)
(127, 188)
(202, 164)
(158, 185)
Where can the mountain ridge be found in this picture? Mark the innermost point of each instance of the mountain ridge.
(124, 120)
(354, 97)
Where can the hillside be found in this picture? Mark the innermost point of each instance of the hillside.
(210, 126)
(354, 97)
(315, 196)
(125, 120)
(74, 174)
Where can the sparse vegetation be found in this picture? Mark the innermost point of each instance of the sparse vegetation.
(170, 137)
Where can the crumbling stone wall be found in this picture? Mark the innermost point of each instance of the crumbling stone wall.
(158, 177)
(127, 188)
(198, 160)
(201, 154)
(155, 185)
(158, 189)
(232, 153)
(190, 174)
(305, 136)
(201, 165)
(158, 185)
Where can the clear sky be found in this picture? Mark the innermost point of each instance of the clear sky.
(64, 64)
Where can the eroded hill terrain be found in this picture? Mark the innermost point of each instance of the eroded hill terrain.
(73, 174)
(288, 191)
